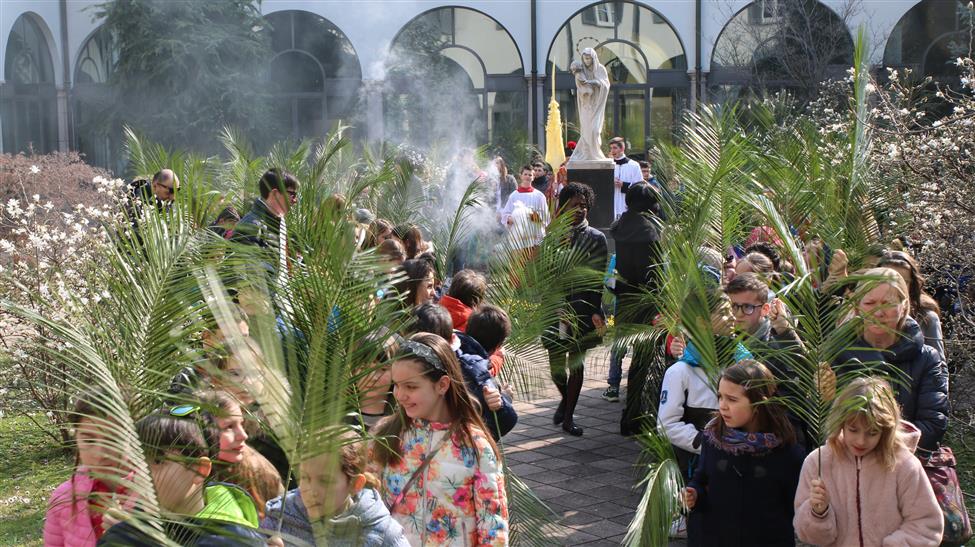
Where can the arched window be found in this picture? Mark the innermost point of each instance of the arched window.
(929, 38)
(455, 74)
(314, 76)
(775, 45)
(647, 69)
(98, 57)
(100, 142)
(28, 104)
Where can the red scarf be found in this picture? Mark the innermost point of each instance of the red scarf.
(97, 510)
(528, 190)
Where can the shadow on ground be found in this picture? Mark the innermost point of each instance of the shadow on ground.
(589, 481)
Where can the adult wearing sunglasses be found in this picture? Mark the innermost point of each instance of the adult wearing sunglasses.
(164, 185)
(264, 225)
(159, 191)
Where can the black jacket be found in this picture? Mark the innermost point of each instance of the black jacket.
(586, 303)
(781, 352)
(637, 237)
(140, 195)
(474, 365)
(744, 500)
(919, 378)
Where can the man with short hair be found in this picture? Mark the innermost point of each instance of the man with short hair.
(264, 225)
(625, 173)
(646, 169)
(165, 183)
(526, 214)
(161, 189)
(750, 305)
(540, 180)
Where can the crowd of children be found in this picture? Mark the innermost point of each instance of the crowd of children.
(429, 470)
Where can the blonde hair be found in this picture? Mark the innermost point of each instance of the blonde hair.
(760, 263)
(868, 400)
(889, 277)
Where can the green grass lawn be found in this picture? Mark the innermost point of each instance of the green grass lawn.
(31, 466)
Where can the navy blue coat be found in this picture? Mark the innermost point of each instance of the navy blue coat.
(474, 365)
(261, 229)
(744, 500)
(919, 378)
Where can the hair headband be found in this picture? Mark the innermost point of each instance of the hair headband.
(424, 352)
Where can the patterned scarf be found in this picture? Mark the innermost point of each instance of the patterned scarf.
(738, 442)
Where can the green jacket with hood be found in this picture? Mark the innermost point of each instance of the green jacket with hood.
(229, 517)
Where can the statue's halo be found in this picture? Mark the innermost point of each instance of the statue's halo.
(580, 45)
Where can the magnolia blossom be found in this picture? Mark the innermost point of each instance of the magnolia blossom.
(927, 157)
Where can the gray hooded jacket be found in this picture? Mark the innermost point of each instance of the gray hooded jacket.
(366, 523)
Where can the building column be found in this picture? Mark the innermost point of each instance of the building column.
(2, 85)
(536, 101)
(375, 127)
(693, 95)
(703, 95)
(64, 142)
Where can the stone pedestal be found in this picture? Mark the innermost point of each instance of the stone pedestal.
(598, 175)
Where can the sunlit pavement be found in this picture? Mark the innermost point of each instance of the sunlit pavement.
(589, 481)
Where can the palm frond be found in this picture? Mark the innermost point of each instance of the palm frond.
(242, 167)
(533, 291)
(661, 501)
(531, 522)
(460, 227)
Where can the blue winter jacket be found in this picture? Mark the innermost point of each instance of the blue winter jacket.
(474, 365)
(918, 375)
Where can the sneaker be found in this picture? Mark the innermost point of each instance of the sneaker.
(678, 528)
(612, 394)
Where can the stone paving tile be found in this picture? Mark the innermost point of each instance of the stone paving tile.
(525, 470)
(602, 528)
(587, 481)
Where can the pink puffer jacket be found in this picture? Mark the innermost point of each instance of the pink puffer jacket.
(68, 521)
(869, 505)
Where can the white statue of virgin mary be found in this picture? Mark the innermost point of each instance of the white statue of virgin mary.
(592, 90)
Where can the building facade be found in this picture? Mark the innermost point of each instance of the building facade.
(354, 60)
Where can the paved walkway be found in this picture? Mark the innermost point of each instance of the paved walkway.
(589, 481)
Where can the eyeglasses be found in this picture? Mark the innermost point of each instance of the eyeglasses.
(746, 309)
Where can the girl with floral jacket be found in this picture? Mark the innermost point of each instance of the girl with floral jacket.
(440, 472)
